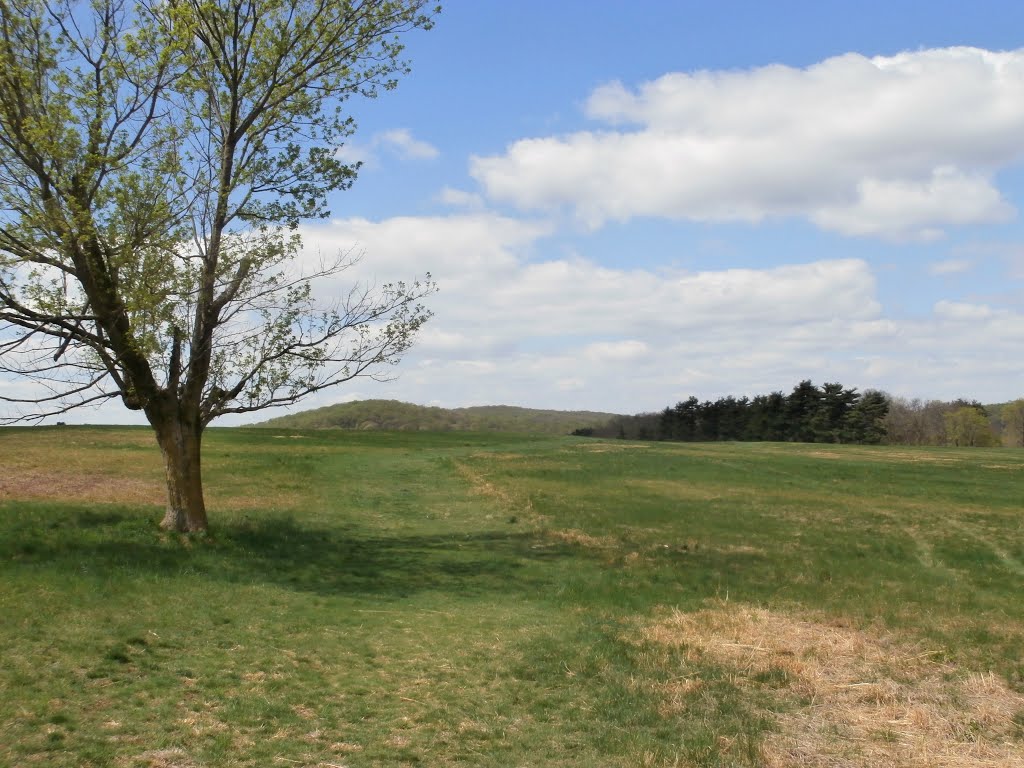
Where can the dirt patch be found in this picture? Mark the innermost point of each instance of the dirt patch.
(855, 698)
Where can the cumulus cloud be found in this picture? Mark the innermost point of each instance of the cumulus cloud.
(962, 349)
(916, 208)
(513, 326)
(899, 147)
(399, 142)
(458, 249)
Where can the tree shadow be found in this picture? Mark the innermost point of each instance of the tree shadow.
(296, 555)
(333, 561)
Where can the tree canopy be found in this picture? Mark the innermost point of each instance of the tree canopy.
(812, 414)
(156, 160)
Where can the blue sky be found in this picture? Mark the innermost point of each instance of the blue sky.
(867, 229)
(625, 204)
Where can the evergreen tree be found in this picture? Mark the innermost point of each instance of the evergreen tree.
(866, 421)
(801, 407)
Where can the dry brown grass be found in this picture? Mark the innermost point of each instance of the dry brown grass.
(826, 454)
(498, 456)
(679, 489)
(76, 485)
(107, 467)
(610, 447)
(80, 466)
(160, 758)
(904, 454)
(581, 539)
(856, 698)
(100, 485)
(508, 502)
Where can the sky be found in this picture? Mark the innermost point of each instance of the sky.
(626, 204)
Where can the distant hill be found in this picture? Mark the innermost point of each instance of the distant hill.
(395, 415)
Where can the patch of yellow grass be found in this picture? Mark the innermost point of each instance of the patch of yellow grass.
(498, 455)
(677, 489)
(79, 484)
(161, 758)
(581, 539)
(827, 455)
(609, 447)
(859, 698)
(507, 501)
(94, 467)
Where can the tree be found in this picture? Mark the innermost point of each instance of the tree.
(768, 418)
(801, 406)
(1013, 418)
(686, 414)
(904, 422)
(826, 423)
(156, 160)
(969, 426)
(865, 422)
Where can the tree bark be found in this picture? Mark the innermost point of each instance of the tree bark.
(180, 445)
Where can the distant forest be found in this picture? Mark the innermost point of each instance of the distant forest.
(830, 413)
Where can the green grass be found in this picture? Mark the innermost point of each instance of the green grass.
(381, 599)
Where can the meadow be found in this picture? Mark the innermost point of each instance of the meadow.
(447, 599)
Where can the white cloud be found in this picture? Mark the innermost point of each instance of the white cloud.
(617, 351)
(514, 327)
(951, 267)
(916, 209)
(567, 332)
(399, 142)
(899, 147)
(457, 198)
(457, 249)
(960, 311)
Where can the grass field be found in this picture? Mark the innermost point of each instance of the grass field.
(375, 599)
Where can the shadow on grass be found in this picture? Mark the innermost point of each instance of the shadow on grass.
(335, 561)
(279, 550)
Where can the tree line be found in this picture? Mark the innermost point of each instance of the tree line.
(830, 413)
(965, 423)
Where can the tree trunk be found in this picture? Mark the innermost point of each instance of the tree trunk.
(180, 444)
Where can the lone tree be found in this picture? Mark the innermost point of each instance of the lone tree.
(156, 159)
